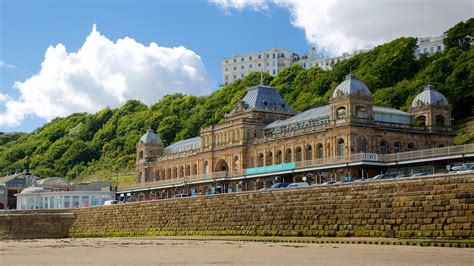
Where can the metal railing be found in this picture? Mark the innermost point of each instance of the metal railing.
(176, 181)
(358, 157)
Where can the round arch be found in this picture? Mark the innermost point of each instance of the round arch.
(221, 166)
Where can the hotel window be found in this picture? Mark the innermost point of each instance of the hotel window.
(383, 147)
(226, 61)
(279, 158)
(439, 47)
(226, 69)
(425, 50)
(259, 56)
(250, 66)
(259, 65)
(397, 147)
(250, 58)
(242, 67)
(274, 72)
(235, 77)
(260, 159)
(241, 75)
(309, 153)
(320, 151)
(268, 64)
(273, 56)
(242, 59)
(273, 64)
(235, 60)
(340, 147)
(268, 56)
(288, 156)
(341, 113)
(269, 158)
(432, 49)
(298, 154)
(235, 68)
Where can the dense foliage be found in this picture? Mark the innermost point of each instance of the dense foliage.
(82, 144)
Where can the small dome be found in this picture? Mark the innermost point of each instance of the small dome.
(429, 96)
(33, 189)
(53, 183)
(149, 138)
(351, 86)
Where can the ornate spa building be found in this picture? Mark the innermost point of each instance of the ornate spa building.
(264, 137)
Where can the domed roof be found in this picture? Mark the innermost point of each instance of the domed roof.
(429, 96)
(32, 189)
(53, 182)
(149, 138)
(351, 86)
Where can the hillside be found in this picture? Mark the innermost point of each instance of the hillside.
(101, 144)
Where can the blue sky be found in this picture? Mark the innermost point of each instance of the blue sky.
(29, 27)
(212, 31)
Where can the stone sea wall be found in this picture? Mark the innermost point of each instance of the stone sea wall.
(429, 207)
(409, 208)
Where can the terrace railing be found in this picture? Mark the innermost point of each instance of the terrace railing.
(358, 157)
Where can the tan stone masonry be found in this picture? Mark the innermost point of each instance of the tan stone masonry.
(410, 208)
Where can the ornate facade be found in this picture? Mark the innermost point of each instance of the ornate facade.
(263, 130)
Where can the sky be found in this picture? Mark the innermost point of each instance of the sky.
(60, 57)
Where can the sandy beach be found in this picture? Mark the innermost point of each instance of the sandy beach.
(143, 251)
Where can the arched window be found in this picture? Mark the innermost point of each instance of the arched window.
(269, 158)
(421, 120)
(288, 155)
(320, 150)
(168, 174)
(194, 169)
(206, 167)
(383, 147)
(340, 147)
(175, 172)
(181, 171)
(260, 159)
(188, 171)
(140, 155)
(341, 113)
(299, 154)
(439, 121)
(410, 147)
(362, 145)
(361, 112)
(397, 147)
(309, 152)
(279, 157)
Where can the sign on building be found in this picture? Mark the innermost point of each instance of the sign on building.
(270, 168)
(370, 157)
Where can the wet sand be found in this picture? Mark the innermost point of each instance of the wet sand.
(142, 251)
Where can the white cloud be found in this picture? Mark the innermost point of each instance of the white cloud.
(337, 26)
(105, 73)
(6, 65)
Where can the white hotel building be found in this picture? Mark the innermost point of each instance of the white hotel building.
(430, 45)
(272, 61)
